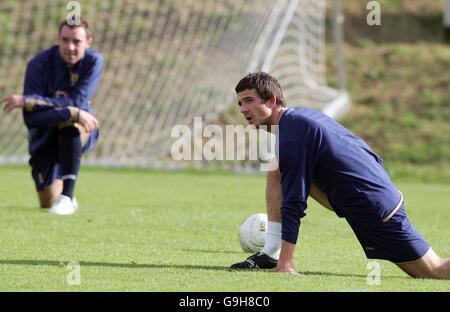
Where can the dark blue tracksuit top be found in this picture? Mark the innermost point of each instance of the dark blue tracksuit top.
(314, 148)
(50, 80)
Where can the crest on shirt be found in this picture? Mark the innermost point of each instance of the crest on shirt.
(74, 78)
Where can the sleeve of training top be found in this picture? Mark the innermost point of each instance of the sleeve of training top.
(48, 118)
(36, 112)
(298, 154)
(80, 95)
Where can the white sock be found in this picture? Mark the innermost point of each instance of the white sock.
(272, 246)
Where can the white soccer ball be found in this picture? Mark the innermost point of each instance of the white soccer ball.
(252, 232)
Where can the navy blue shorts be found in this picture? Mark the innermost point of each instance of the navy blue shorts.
(395, 240)
(45, 166)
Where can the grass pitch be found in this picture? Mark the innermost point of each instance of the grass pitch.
(177, 231)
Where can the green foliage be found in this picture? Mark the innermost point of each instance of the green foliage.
(399, 82)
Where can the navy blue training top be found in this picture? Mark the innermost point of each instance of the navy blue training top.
(51, 80)
(314, 148)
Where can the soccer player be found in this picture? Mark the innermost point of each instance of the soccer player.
(59, 84)
(319, 157)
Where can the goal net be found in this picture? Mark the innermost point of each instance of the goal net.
(168, 61)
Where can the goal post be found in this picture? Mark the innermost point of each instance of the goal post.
(169, 61)
(446, 21)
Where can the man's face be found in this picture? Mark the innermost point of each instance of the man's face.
(255, 110)
(73, 43)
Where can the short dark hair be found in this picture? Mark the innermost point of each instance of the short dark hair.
(83, 23)
(266, 86)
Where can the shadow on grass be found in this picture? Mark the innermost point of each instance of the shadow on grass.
(23, 207)
(172, 266)
(211, 251)
(115, 265)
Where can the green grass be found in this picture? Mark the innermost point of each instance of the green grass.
(177, 231)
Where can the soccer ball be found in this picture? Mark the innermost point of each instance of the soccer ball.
(252, 232)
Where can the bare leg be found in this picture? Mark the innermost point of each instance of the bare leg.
(273, 196)
(429, 266)
(84, 135)
(320, 197)
(272, 244)
(51, 193)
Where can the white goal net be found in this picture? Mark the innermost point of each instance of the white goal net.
(168, 61)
